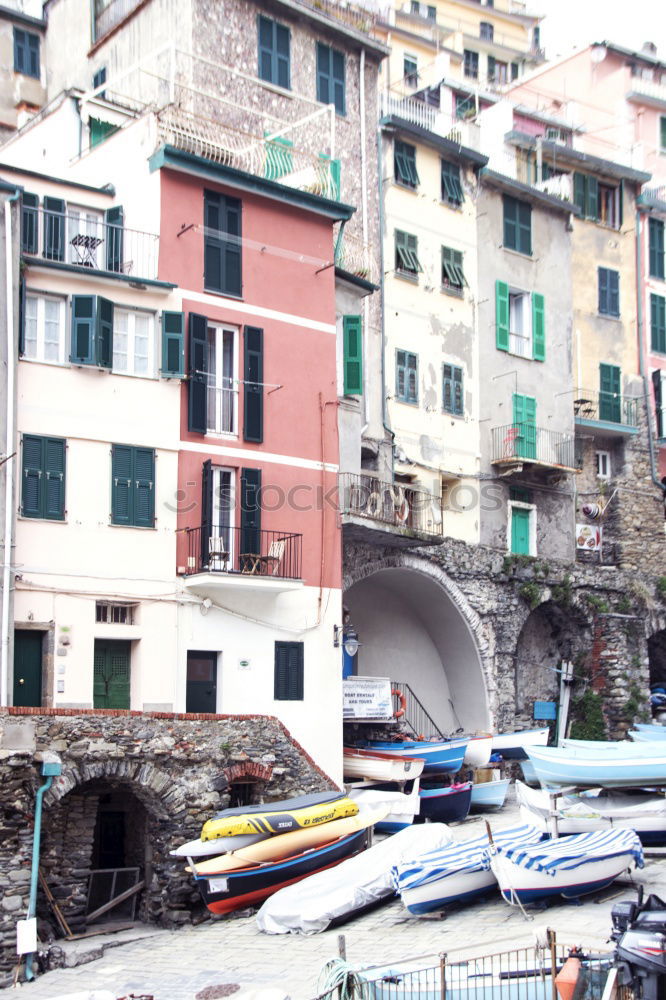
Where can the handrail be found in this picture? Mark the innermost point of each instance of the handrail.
(416, 716)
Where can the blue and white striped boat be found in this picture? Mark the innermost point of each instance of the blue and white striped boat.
(440, 756)
(585, 764)
(455, 873)
(569, 867)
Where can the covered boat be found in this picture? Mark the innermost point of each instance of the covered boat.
(440, 755)
(374, 765)
(279, 817)
(512, 746)
(607, 765)
(402, 807)
(445, 804)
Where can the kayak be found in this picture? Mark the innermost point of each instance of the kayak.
(279, 817)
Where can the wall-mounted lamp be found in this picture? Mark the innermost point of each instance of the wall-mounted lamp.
(336, 636)
(351, 643)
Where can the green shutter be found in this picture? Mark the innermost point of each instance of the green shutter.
(592, 206)
(115, 220)
(610, 399)
(501, 316)
(121, 484)
(253, 388)
(580, 192)
(250, 515)
(538, 327)
(288, 678)
(144, 487)
(54, 229)
(29, 223)
(32, 468)
(104, 333)
(656, 252)
(43, 477)
(99, 131)
(83, 329)
(54, 478)
(352, 337)
(524, 419)
(658, 323)
(173, 344)
(197, 408)
(620, 204)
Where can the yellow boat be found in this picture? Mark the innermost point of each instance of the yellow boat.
(280, 817)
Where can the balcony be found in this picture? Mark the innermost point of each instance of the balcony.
(521, 444)
(426, 116)
(388, 513)
(222, 557)
(355, 257)
(647, 92)
(606, 413)
(108, 15)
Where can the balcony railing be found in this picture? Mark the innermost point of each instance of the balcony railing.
(607, 407)
(245, 551)
(525, 442)
(86, 240)
(410, 109)
(355, 256)
(396, 504)
(108, 15)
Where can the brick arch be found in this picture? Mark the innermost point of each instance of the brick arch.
(156, 789)
(247, 770)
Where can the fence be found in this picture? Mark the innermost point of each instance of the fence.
(608, 406)
(213, 548)
(523, 440)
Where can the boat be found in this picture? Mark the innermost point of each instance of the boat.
(530, 777)
(279, 817)
(570, 867)
(479, 749)
(445, 804)
(357, 884)
(657, 728)
(489, 794)
(247, 877)
(402, 806)
(440, 755)
(208, 848)
(597, 809)
(456, 873)
(647, 736)
(376, 766)
(512, 746)
(607, 765)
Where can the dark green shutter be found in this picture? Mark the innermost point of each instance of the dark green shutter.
(232, 247)
(323, 73)
(352, 346)
(620, 204)
(538, 327)
(32, 469)
(54, 229)
(83, 329)
(288, 679)
(21, 324)
(54, 478)
(206, 510)
(198, 374)
(658, 323)
(250, 513)
(501, 316)
(524, 419)
(114, 238)
(282, 56)
(610, 400)
(144, 487)
(338, 72)
(491, 67)
(104, 333)
(510, 222)
(173, 344)
(253, 389)
(592, 207)
(43, 477)
(29, 223)
(659, 401)
(580, 192)
(656, 253)
(122, 486)
(212, 244)
(111, 674)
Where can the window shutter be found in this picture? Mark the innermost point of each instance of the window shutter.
(592, 209)
(30, 223)
(265, 30)
(21, 323)
(114, 238)
(338, 68)
(206, 510)
(282, 57)
(83, 329)
(144, 487)
(173, 344)
(610, 402)
(658, 379)
(54, 478)
(288, 680)
(250, 513)
(491, 67)
(232, 248)
(31, 491)
(122, 475)
(104, 333)
(658, 323)
(501, 316)
(323, 73)
(614, 292)
(656, 252)
(352, 346)
(603, 290)
(253, 389)
(524, 221)
(198, 374)
(538, 327)
(458, 402)
(620, 204)
(580, 192)
(54, 229)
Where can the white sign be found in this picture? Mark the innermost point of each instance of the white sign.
(26, 936)
(588, 537)
(218, 885)
(367, 698)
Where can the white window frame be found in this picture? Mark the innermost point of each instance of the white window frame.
(532, 526)
(217, 472)
(603, 458)
(217, 380)
(131, 341)
(90, 223)
(520, 342)
(42, 298)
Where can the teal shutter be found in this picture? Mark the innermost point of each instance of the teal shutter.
(288, 679)
(253, 388)
(610, 399)
(501, 316)
(83, 330)
(352, 338)
(198, 374)
(114, 238)
(524, 419)
(54, 478)
(43, 477)
(144, 487)
(658, 323)
(173, 344)
(580, 192)
(31, 491)
(121, 484)
(592, 207)
(538, 327)
(656, 253)
(54, 229)
(104, 333)
(29, 223)
(520, 531)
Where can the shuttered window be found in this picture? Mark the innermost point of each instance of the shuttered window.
(406, 377)
(406, 254)
(92, 331)
(538, 327)
(173, 344)
(453, 277)
(501, 315)
(659, 385)
(29, 223)
(26, 53)
(452, 191)
(274, 52)
(658, 323)
(132, 486)
(115, 249)
(405, 164)
(610, 393)
(656, 242)
(54, 229)
(452, 390)
(331, 77)
(352, 335)
(289, 671)
(253, 388)
(222, 244)
(517, 225)
(43, 477)
(609, 292)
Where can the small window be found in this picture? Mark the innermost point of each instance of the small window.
(274, 52)
(471, 64)
(603, 460)
(331, 77)
(26, 53)
(597, 201)
(498, 72)
(486, 31)
(406, 255)
(465, 106)
(114, 614)
(410, 70)
(515, 71)
(432, 13)
(289, 680)
(609, 292)
(520, 324)
(452, 397)
(406, 377)
(656, 248)
(517, 225)
(415, 7)
(44, 329)
(452, 191)
(99, 78)
(132, 486)
(453, 277)
(658, 323)
(43, 477)
(608, 206)
(222, 244)
(134, 342)
(405, 164)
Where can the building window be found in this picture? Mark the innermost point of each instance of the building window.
(432, 13)
(29, 223)
(486, 31)
(498, 72)
(114, 614)
(99, 78)
(603, 463)
(471, 64)
(406, 377)
(451, 188)
(609, 292)
(43, 477)
(597, 201)
(406, 256)
(410, 70)
(452, 390)
(656, 252)
(465, 106)
(405, 164)
(85, 237)
(92, 331)
(26, 53)
(515, 71)
(352, 337)
(517, 225)
(289, 671)
(132, 486)
(44, 329)
(222, 394)
(222, 244)
(274, 58)
(415, 7)
(453, 277)
(520, 326)
(658, 323)
(331, 77)
(662, 133)
(610, 393)
(133, 342)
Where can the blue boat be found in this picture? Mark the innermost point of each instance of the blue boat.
(443, 756)
(489, 794)
(586, 764)
(448, 804)
(651, 727)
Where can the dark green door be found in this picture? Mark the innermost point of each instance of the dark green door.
(524, 421)
(111, 685)
(28, 668)
(610, 396)
(201, 690)
(520, 531)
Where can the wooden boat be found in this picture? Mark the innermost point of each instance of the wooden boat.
(247, 877)
(606, 765)
(440, 756)
(279, 817)
(375, 766)
(489, 794)
(444, 804)
(512, 746)
(570, 867)
(402, 807)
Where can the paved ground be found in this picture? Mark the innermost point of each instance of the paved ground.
(176, 965)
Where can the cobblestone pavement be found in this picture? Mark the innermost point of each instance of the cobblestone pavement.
(175, 965)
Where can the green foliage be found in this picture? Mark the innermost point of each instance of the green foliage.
(531, 594)
(624, 605)
(587, 717)
(597, 603)
(661, 587)
(562, 593)
(635, 703)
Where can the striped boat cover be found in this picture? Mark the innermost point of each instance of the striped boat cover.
(571, 852)
(466, 856)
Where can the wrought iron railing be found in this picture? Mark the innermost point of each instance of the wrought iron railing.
(411, 109)
(396, 504)
(416, 718)
(355, 256)
(244, 550)
(525, 441)
(612, 407)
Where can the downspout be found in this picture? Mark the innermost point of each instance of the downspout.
(49, 771)
(641, 351)
(382, 311)
(364, 223)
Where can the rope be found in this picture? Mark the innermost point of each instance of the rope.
(339, 974)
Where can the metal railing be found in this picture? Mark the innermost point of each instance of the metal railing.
(416, 718)
(86, 240)
(355, 256)
(590, 404)
(411, 109)
(396, 504)
(245, 550)
(523, 441)
(108, 15)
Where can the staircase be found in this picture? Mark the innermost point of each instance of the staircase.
(420, 724)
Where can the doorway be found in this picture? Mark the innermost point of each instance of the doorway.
(111, 684)
(28, 668)
(201, 688)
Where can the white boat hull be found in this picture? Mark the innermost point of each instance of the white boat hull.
(478, 751)
(513, 745)
(458, 888)
(528, 885)
(211, 848)
(381, 768)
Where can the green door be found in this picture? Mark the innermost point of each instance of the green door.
(111, 684)
(610, 396)
(28, 668)
(520, 531)
(524, 421)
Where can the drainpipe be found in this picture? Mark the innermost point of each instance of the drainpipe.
(364, 223)
(641, 350)
(49, 771)
(382, 310)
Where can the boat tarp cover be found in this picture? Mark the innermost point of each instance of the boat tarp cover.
(571, 852)
(309, 906)
(285, 805)
(609, 805)
(461, 856)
